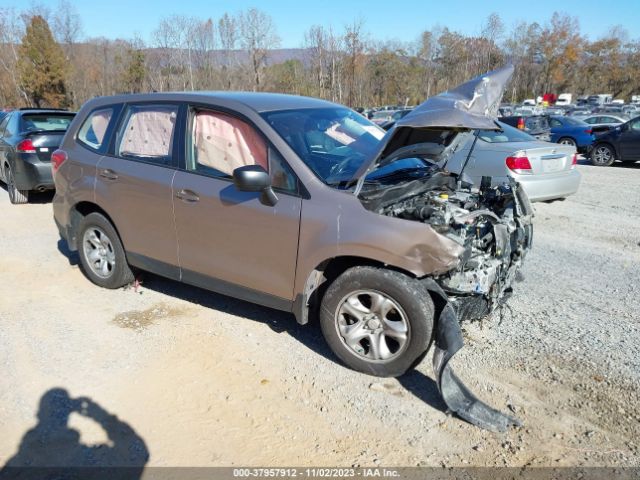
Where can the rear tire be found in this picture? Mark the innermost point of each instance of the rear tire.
(377, 321)
(101, 253)
(602, 155)
(17, 197)
(567, 141)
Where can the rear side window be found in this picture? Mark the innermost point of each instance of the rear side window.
(146, 133)
(507, 134)
(93, 131)
(45, 122)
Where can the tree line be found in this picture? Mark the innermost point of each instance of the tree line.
(46, 60)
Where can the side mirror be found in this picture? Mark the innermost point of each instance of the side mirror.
(254, 178)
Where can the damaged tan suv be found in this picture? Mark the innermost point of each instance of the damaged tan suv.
(301, 205)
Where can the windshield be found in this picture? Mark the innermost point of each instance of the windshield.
(507, 134)
(332, 142)
(46, 121)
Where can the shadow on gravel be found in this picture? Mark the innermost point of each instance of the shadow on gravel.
(52, 449)
(309, 335)
(72, 257)
(632, 165)
(423, 387)
(278, 321)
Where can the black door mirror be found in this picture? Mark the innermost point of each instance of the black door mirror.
(254, 178)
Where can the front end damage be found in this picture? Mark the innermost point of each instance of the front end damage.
(490, 224)
(493, 225)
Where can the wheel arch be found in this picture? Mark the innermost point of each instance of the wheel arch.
(77, 213)
(318, 280)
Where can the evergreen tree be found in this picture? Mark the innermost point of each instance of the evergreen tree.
(42, 66)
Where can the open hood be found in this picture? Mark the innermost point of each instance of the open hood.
(470, 106)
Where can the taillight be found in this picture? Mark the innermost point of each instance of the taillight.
(25, 146)
(519, 164)
(57, 159)
(588, 132)
(574, 160)
(521, 123)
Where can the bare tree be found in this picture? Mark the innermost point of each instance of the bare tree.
(354, 49)
(257, 37)
(228, 32)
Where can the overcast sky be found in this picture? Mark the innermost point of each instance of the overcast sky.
(384, 20)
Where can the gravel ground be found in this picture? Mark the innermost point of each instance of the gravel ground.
(198, 379)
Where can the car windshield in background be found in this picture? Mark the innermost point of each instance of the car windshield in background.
(332, 142)
(49, 121)
(507, 134)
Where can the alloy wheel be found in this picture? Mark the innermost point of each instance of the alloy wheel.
(99, 252)
(602, 155)
(372, 325)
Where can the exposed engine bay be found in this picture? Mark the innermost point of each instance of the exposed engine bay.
(492, 224)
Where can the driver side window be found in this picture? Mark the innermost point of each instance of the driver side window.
(220, 143)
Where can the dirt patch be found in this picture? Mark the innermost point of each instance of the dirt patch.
(140, 320)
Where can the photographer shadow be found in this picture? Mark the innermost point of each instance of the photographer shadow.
(52, 447)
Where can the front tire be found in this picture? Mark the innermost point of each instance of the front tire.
(101, 253)
(602, 155)
(16, 197)
(377, 321)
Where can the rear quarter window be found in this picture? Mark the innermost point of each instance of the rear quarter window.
(93, 132)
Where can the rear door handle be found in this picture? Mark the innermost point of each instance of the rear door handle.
(109, 174)
(188, 196)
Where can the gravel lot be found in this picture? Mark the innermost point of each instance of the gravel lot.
(207, 380)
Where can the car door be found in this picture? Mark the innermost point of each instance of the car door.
(133, 183)
(629, 140)
(228, 240)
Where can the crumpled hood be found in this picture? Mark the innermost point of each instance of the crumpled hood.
(473, 105)
(470, 106)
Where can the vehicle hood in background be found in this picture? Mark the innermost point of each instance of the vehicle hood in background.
(470, 106)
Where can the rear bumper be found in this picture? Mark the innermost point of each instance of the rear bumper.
(32, 174)
(549, 187)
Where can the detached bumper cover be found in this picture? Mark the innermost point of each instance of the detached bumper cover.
(458, 398)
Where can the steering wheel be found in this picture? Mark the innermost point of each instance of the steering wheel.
(344, 165)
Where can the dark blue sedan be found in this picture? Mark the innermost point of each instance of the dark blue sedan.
(571, 131)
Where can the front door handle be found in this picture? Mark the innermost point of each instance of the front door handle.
(188, 196)
(109, 174)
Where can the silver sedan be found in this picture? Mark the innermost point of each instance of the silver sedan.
(547, 171)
